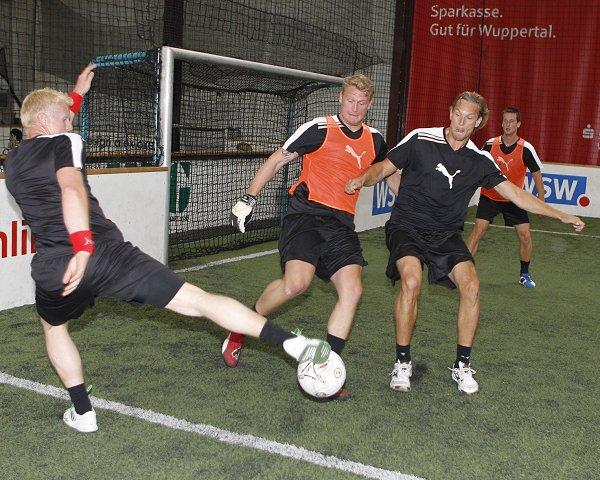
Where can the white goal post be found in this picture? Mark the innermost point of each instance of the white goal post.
(168, 56)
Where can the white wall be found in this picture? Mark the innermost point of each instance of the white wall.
(136, 202)
(373, 207)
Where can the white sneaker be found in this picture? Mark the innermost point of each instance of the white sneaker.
(463, 376)
(303, 349)
(401, 374)
(82, 423)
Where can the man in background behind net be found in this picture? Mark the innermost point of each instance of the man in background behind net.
(80, 254)
(318, 236)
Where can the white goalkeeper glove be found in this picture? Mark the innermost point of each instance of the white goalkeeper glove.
(242, 211)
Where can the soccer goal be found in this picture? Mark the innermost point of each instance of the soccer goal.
(213, 120)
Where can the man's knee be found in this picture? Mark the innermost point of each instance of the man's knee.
(294, 286)
(351, 293)
(191, 300)
(48, 327)
(524, 234)
(479, 230)
(411, 285)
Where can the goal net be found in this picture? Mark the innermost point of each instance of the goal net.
(214, 120)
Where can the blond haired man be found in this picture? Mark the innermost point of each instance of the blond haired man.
(441, 169)
(80, 254)
(318, 236)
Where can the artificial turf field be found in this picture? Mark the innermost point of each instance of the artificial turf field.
(537, 414)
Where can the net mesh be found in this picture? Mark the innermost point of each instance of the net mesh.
(229, 120)
(216, 145)
(119, 118)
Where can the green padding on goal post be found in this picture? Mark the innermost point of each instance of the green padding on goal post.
(120, 59)
(113, 60)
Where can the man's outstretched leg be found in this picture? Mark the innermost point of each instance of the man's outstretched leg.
(65, 360)
(296, 279)
(233, 316)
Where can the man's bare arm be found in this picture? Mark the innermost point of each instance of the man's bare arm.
(539, 184)
(375, 173)
(76, 216)
(82, 86)
(241, 212)
(393, 182)
(532, 204)
(267, 170)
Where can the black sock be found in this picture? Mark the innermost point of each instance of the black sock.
(524, 267)
(462, 355)
(403, 353)
(80, 398)
(336, 343)
(274, 334)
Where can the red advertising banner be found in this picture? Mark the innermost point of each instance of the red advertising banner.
(542, 57)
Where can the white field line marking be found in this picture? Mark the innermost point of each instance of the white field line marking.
(571, 234)
(226, 260)
(219, 434)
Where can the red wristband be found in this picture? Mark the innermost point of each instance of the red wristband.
(82, 241)
(77, 100)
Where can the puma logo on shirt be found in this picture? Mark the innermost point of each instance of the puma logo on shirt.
(440, 168)
(351, 151)
(506, 164)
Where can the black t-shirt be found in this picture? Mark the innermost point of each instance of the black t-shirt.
(437, 182)
(30, 171)
(308, 138)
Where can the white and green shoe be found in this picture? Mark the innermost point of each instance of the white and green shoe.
(307, 349)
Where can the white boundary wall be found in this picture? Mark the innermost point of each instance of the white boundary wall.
(134, 201)
(570, 188)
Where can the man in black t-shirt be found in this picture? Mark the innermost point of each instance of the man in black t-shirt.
(81, 254)
(440, 170)
(318, 236)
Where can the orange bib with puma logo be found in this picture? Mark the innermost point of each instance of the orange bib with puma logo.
(327, 170)
(510, 164)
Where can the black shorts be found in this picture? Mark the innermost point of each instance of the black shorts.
(488, 209)
(116, 269)
(322, 241)
(441, 252)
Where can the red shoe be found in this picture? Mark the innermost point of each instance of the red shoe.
(342, 395)
(232, 346)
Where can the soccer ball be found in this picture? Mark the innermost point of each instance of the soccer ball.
(322, 379)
